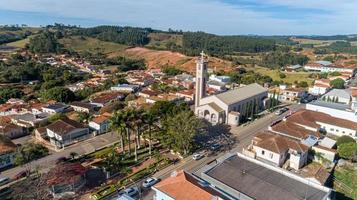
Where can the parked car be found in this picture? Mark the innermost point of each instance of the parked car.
(132, 191)
(215, 147)
(197, 156)
(4, 180)
(61, 159)
(150, 182)
(21, 175)
(281, 111)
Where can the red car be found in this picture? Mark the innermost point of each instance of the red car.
(21, 175)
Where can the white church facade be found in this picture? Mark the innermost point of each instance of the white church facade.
(227, 107)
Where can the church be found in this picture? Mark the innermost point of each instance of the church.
(228, 107)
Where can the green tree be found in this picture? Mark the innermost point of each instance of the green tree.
(29, 152)
(337, 83)
(8, 93)
(118, 123)
(60, 94)
(344, 139)
(45, 42)
(181, 130)
(347, 150)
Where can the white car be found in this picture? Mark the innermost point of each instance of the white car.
(132, 191)
(197, 156)
(150, 182)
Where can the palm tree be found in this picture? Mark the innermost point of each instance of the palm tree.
(150, 119)
(118, 123)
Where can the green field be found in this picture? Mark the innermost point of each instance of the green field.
(20, 43)
(291, 77)
(348, 176)
(92, 45)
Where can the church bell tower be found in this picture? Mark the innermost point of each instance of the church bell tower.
(201, 78)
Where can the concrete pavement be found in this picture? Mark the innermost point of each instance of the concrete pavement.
(81, 148)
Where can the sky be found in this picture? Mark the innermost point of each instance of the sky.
(223, 17)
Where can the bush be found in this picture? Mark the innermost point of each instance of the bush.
(282, 75)
(344, 139)
(347, 150)
(338, 83)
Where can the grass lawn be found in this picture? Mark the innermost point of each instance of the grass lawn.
(19, 43)
(92, 45)
(348, 176)
(291, 77)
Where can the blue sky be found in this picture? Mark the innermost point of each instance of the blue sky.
(225, 17)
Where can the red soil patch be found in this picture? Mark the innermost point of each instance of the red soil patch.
(156, 59)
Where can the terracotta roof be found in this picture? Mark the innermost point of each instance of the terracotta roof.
(4, 120)
(100, 119)
(184, 186)
(277, 144)
(354, 92)
(149, 92)
(65, 173)
(6, 145)
(42, 130)
(310, 118)
(63, 126)
(294, 130)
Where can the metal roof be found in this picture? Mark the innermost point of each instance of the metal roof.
(236, 95)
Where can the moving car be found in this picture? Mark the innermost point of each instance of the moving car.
(281, 111)
(197, 156)
(21, 175)
(150, 182)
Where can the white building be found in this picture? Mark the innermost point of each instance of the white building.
(100, 124)
(338, 96)
(65, 132)
(7, 152)
(328, 67)
(221, 79)
(226, 107)
(55, 108)
(125, 88)
(275, 150)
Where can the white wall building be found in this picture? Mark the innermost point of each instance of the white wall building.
(226, 107)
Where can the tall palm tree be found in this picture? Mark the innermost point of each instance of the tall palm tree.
(150, 119)
(117, 123)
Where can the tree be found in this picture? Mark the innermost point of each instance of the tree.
(8, 93)
(83, 117)
(73, 155)
(118, 123)
(337, 83)
(45, 42)
(344, 139)
(150, 119)
(29, 152)
(347, 150)
(181, 130)
(31, 188)
(282, 75)
(60, 94)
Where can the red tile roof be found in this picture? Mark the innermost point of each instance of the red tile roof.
(277, 144)
(294, 130)
(185, 187)
(65, 173)
(100, 119)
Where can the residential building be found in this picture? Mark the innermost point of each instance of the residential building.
(65, 132)
(55, 108)
(219, 86)
(184, 186)
(242, 177)
(100, 124)
(12, 131)
(189, 95)
(165, 97)
(125, 88)
(7, 152)
(106, 99)
(220, 79)
(82, 107)
(320, 87)
(291, 94)
(28, 120)
(226, 107)
(328, 67)
(292, 68)
(147, 93)
(275, 150)
(66, 178)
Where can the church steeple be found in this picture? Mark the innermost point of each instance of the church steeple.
(201, 78)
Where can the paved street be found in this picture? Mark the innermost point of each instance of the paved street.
(243, 135)
(80, 148)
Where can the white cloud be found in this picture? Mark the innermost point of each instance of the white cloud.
(206, 15)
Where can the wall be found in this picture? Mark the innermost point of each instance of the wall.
(337, 130)
(272, 157)
(343, 114)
